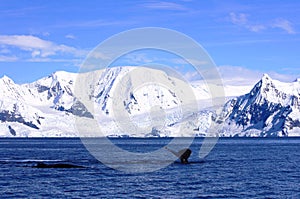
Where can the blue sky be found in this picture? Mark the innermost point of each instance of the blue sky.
(244, 38)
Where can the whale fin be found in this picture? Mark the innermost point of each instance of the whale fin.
(183, 154)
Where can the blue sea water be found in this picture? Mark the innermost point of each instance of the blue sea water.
(235, 168)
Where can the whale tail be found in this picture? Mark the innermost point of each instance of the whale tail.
(183, 154)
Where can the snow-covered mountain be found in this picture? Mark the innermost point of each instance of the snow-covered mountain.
(41, 108)
(271, 108)
(50, 106)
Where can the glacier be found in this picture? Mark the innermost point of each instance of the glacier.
(49, 107)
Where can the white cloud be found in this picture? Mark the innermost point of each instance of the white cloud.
(94, 23)
(100, 55)
(178, 61)
(25, 41)
(70, 36)
(238, 75)
(46, 34)
(256, 28)
(284, 25)
(38, 47)
(238, 19)
(283, 77)
(197, 62)
(230, 75)
(163, 5)
(192, 76)
(35, 53)
(241, 19)
(4, 58)
(134, 59)
(45, 59)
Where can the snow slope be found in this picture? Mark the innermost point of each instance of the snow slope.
(271, 108)
(50, 107)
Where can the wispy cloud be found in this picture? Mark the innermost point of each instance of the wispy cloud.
(192, 76)
(100, 55)
(238, 19)
(70, 36)
(45, 59)
(241, 19)
(164, 5)
(94, 23)
(239, 75)
(240, 42)
(230, 75)
(134, 59)
(256, 28)
(4, 58)
(285, 25)
(19, 12)
(46, 34)
(37, 47)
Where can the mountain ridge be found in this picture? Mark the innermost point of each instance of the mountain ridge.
(271, 108)
(48, 106)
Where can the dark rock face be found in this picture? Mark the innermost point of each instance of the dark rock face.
(265, 108)
(7, 116)
(154, 133)
(56, 91)
(42, 88)
(12, 131)
(257, 114)
(77, 109)
(80, 110)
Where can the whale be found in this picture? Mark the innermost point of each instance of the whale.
(183, 154)
(57, 165)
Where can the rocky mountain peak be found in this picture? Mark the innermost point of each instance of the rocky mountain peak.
(270, 109)
(6, 79)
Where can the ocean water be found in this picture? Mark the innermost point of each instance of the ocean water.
(235, 168)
